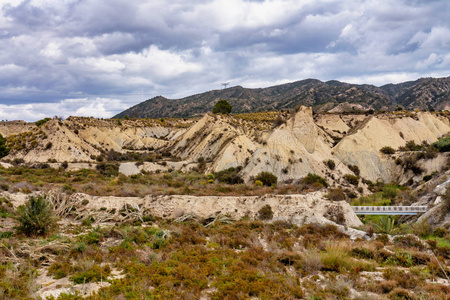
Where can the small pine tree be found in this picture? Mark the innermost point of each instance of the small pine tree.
(222, 107)
(36, 217)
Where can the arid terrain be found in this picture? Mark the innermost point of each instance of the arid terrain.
(241, 206)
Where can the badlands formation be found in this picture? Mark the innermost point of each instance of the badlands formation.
(134, 238)
(298, 146)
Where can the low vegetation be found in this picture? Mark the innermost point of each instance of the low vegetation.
(225, 260)
(230, 176)
(104, 180)
(442, 145)
(315, 181)
(352, 179)
(267, 178)
(42, 121)
(387, 150)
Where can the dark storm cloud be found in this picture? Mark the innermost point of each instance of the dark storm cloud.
(79, 55)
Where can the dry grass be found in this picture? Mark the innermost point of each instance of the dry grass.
(181, 260)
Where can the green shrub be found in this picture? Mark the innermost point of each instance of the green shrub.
(5, 234)
(401, 258)
(352, 179)
(442, 145)
(440, 232)
(390, 191)
(41, 122)
(108, 170)
(387, 150)
(354, 169)
(363, 253)
(59, 270)
(230, 176)
(314, 179)
(267, 178)
(421, 229)
(410, 163)
(408, 241)
(383, 238)
(90, 238)
(335, 259)
(94, 274)
(265, 213)
(330, 164)
(336, 194)
(36, 217)
(411, 146)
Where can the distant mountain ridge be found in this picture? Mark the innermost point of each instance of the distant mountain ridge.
(424, 93)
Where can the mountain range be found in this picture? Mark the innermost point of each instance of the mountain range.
(424, 93)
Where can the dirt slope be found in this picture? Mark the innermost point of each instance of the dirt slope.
(290, 146)
(362, 147)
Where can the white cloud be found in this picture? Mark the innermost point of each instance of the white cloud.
(431, 60)
(160, 63)
(98, 64)
(381, 79)
(53, 49)
(10, 69)
(438, 38)
(88, 107)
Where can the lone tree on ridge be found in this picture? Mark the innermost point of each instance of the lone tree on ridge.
(222, 107)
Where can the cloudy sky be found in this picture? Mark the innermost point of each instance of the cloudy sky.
(99, 57)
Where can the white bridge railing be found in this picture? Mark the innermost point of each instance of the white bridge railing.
(389, 210)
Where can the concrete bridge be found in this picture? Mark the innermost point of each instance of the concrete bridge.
(389, 210)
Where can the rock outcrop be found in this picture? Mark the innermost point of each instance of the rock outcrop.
(362, 148)
(310, 208)
(293, 150)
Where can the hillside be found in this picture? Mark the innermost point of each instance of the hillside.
(179, 208)
(290, 145)
(424, 93)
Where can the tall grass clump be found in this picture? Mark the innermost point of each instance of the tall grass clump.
(36, 217)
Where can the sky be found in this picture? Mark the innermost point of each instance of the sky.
(99, 57)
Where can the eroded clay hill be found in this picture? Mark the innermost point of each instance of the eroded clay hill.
(290, 145)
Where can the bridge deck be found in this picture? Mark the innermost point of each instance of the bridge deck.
(389, 210)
